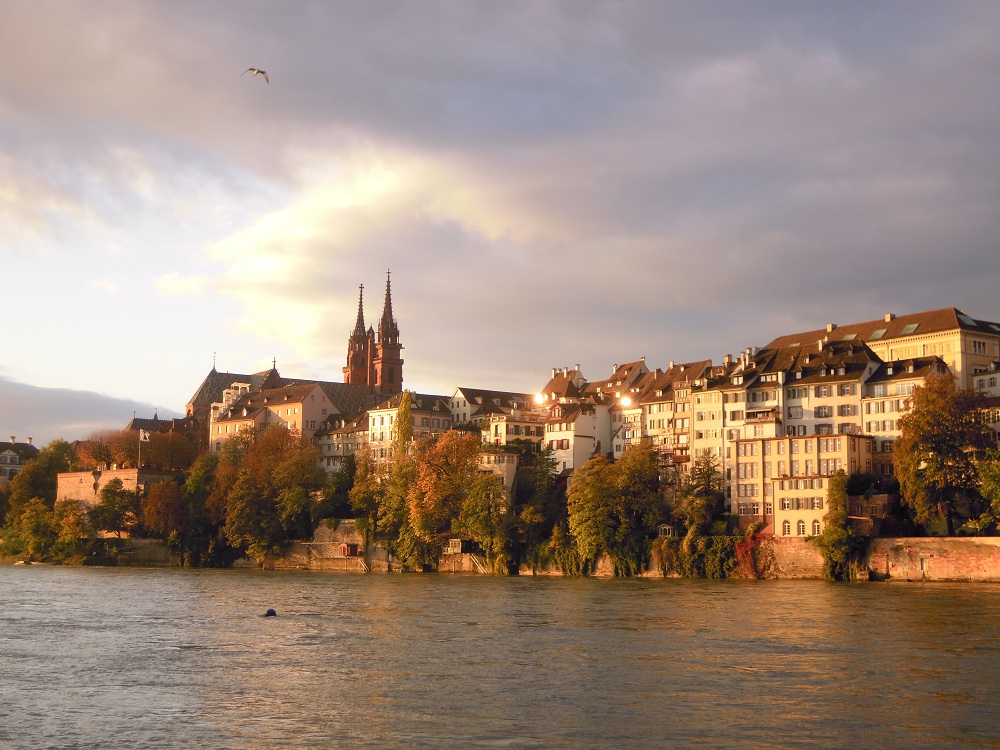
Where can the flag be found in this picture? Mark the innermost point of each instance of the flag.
(143, 436)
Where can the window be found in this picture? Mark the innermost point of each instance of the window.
(845, 389)
(821, 391)
(815, 528)
(786, 528)
(795, 412)
(800, 528)
(822, 412)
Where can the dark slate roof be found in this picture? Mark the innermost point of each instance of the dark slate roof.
(908, 369)
(349, 398)
(24, 451)
(419, 402)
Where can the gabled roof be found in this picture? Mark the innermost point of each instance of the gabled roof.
(348, 398)
(661, 389)
(908, 369)
(932, 321)
(418, 402)
(490, 399)
(24, 451)
(562, 384)
(837, 361)
(254, 403)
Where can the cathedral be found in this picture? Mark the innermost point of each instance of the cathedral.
(374, 372)
(375, 361)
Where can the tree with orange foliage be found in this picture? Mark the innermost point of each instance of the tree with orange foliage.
(164, 511)
(445, 473)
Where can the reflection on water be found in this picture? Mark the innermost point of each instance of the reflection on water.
(180, 658)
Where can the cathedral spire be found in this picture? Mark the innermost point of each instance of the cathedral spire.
(387, 326)
(359, 327)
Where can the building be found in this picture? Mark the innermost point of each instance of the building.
(374, 371)
(339, 438)
(86, 486)
(782, 482)
(14, 455)
(300, 408)
(966, 345)
(375, 363)
(430, 415)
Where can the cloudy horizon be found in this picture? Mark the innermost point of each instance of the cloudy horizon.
(549, 183)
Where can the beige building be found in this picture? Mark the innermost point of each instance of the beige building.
(86, 486)
(966, 345)
(300, 408)
(14, 455)
(782, 482)
(430, 415)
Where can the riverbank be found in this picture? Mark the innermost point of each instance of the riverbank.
(972, 559)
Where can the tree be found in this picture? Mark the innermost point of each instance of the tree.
(117, 509)
(365, 493)
(589, 502)
(484, 518)
(638, 508)
(445, 470)
(699, 498)
(270, 499)
(838, 543)
(72, 526)
(935, 454)
(989, 488)
(164, 511)
(39, 476)
(37, 528)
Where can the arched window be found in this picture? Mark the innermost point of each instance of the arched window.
(800, 528)
(786, 528)
(815, 528)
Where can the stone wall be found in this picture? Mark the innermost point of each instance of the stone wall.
(935, 559)
(793, 557)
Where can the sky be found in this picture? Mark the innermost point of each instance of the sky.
(550, 184)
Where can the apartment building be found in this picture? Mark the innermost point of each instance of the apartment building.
(782, 482)
(430, 415)
(300, 408)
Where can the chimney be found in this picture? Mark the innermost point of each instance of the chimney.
(727, 360)
(820, 342)
(554, 371)
(29, 441)
(671, 364)
(830, 327)
(889, 317)
(13, 439)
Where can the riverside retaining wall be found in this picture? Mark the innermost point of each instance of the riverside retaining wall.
(935, 559)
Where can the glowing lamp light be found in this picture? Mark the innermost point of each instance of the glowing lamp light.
(539, 398)
(626, 401)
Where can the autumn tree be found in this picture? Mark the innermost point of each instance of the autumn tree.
(73, 528)
(935, 455)
(168, 451)
(164, 511)
(445, 470)
(270, 500)
(124, 448)
(95, 451)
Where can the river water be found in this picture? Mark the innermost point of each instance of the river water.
(132, 658)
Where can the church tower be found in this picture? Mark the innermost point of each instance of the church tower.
(360, 349)
(387, 363)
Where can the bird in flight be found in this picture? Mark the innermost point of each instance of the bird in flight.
(255, 71)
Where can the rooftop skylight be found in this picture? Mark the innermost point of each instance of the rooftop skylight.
(878, 334)
(910, 328)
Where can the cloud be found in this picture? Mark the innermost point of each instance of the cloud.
(45, 414)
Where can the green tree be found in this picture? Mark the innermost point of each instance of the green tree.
(935, 455)
(117, 509)
(366, 492)
(699, 498)
(989, 488)
(37, 528)
(638, 508)
(484, 517)
(590, 501)
(72, 526)
(38, 478)
(838, 543)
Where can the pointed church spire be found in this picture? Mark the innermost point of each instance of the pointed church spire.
(359, 327)
(387, 326)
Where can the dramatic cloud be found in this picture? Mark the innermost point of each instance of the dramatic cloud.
(550, 183)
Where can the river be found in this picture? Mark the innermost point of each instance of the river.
(137, 658)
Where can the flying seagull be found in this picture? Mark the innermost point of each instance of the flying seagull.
(255, 71)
